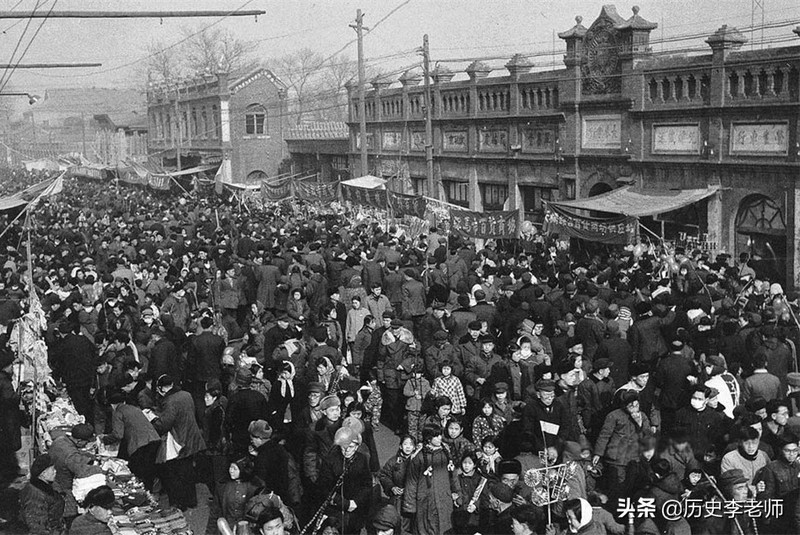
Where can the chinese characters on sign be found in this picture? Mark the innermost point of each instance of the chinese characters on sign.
(276, 192)
(455, 141)
(760, 138)
(418, 141)
(485, 224)
(676, 139)
(602, 132)
(363, 196)
(494, 140)
(695, 508)
(403, 205)
(370, 140)
(310, 191)
(619, 230)
(392, 140)
(538, 140)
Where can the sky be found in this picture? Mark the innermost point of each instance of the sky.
(457, 29)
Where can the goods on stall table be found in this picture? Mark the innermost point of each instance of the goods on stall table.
(149, 521)
(61, 417)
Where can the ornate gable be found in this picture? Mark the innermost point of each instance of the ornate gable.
(600, 67)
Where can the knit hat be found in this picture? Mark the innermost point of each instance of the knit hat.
(40, 464)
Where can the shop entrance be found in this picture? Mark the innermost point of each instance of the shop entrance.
(761, 232)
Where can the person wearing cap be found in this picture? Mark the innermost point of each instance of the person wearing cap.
(98, 504)
(396, 345)
(594, 395)
(203, 361)
(274, 337)
(674, 376)
(272, 463)
(352, 500)
(735, 488)
(442, 350)
(478, 368)
(41, 508)
(543, 416)
(515, 372)
(413, 304)
(182, 440)
(268, 276)
(780, 479)
(462, 318)
(437, 320)
(618, 351)
(618, 441)
(320, 442)
(645, 335)
(244, 406)
(163, 355)
(74, 360)
(72, 460)
(138, 440)
(176, 306)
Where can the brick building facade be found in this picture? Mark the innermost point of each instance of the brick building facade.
(615, 114)
(238, 123)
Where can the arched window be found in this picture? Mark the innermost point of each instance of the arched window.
(255, 120)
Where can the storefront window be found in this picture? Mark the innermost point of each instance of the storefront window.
(457, 192)
(494, 196)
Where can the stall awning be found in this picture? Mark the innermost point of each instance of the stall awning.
(639, 202)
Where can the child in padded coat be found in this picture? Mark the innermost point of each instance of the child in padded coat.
(392, 476)
(415, 390)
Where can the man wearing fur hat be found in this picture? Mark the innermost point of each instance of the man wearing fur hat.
(321, 439)
(350, 502)
(272, 463)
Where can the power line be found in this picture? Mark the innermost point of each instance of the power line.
(4, 83)
(19, 41)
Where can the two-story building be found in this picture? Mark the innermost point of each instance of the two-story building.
(616, 114)
(211, 119)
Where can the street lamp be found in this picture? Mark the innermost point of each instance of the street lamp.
(32, 99)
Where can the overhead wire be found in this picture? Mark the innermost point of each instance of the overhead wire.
(21, 38)
(4, 83)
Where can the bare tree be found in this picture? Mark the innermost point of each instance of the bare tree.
(212, 50)
(301, 72)
(338, 70)
(164, 64)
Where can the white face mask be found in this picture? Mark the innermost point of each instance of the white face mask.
(698, 404)
(525, 352)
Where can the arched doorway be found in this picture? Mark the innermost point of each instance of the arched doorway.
(599, 189)
(761, 232)
(256, 176)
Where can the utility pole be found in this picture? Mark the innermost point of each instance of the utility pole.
(426, 65)
(83, 134)
(362, 113)
(178, 129)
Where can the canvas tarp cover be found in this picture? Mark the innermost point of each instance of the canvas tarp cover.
(638, 202)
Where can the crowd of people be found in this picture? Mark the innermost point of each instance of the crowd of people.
(259, 351)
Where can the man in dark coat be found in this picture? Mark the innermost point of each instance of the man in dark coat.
(273, 338)
(544, 417)
(645, 334)
(176, 421)
(271, 464)
(413, 303)
(618, 351)
(245, 406)
(164, 357)
(672, 377)
(74, 361)
(203, 361)
(705, 426)
(9, 421)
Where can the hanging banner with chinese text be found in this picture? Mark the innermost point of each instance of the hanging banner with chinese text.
(375, 198)
(277, 191)
(619, 230)
(484, 225)
(403, 205)
(159, 182)
(313, 191)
